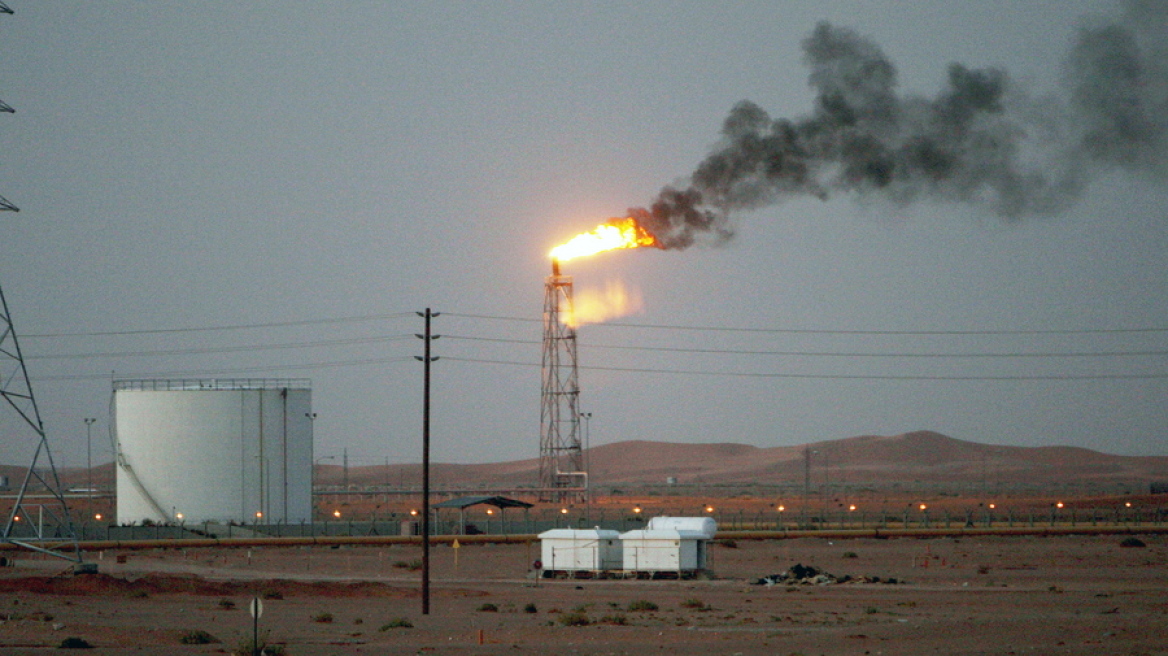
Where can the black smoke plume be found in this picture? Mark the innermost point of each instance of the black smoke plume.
(982, 140)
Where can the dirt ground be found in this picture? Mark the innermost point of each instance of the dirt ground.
(969, 595)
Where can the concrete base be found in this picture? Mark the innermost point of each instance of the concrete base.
(85, 568)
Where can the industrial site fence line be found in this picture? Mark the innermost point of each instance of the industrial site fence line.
(535, 522)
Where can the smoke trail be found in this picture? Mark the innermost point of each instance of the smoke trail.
(980, 141)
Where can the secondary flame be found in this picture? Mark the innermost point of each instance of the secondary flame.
(611, 235)
(599, 305)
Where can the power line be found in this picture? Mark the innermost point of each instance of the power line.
(195, 373)
(819, 331)
(493, 317)
(398, 315)
(620, 347)
(733, 374)
(808, 331)
(658, 349)
(835, 354)
(249, 326)
(222, 349)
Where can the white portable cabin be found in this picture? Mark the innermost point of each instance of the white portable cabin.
(573, 550)
(705, 525)
(669, 544)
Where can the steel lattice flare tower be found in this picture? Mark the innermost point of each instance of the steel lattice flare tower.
(561, 458)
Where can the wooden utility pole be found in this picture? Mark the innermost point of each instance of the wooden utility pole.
(426, 359)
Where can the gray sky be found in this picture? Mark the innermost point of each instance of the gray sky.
(325, 169)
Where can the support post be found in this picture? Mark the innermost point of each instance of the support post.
(426, 359)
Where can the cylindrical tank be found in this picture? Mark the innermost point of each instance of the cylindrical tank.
(213, 451)
(705, 525)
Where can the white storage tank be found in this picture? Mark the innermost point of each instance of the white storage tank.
(574, 550)
(213, 451)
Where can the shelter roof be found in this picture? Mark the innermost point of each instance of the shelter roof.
(498, 502)
(579, 534)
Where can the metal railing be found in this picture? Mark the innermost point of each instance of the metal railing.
(184, 384)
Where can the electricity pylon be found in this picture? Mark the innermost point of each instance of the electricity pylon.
(44, 526)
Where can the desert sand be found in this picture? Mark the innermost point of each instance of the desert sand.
(952, 595)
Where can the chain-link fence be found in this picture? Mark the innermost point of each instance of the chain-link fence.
(536, 521)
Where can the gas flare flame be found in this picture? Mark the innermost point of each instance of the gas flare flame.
(613, 301)
(610, 235)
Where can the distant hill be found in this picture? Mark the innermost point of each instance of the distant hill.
(916, 457)
(920, 457)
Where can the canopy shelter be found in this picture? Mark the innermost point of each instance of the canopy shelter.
(462, 503)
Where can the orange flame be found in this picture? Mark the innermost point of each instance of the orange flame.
(611, 235)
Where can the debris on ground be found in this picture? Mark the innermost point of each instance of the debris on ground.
(800, 574)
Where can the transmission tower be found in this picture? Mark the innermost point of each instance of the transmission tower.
(43, 526)
(561, 459)
(6, 206)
